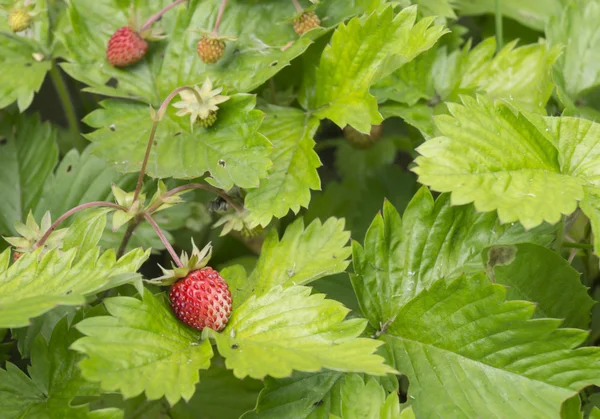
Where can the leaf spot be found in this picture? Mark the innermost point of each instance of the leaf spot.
(3, 141)
(69, 168)
(317, 404)
(112, 127)
(234, 346)
(222, 163)
(112, 82)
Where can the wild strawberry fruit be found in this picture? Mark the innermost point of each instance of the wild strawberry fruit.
(306, 21)
(202, 105)
(19, 20)
(210, 49)
(360, 140)
(202, 299)
(125, 47)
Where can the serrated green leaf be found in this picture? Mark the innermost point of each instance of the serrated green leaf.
(295, 163)
(79, 178)
(239, 284)
(574, 29)
(535, 273)
(53, 381)
(22, 74)
(360, 53)
(288, 329)
(84, 234)
(464, 348)
(402, 257)
(502, 161)
(232, 150)
(259, 51)
(142, 347)
(37, 282)
(302, 255)
(28, 153)
(531, 13)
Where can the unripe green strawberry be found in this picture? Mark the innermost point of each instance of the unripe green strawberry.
(125, 47)
(209, 120)
(202, 299)
(210, 50)
(305, 22)
(19, 20)
(360, 140)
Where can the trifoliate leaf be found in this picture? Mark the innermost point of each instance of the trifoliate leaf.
(85, 233)
(288, 329)
(464, 348)
(501, 161)
(302, 255)
(402, 257)
(360, 53)
(25, 59)
(79, 178)
(35, 284)
(28, 153)
(535, 273)
(294, 174)
(258, 53)
(232, 150)
(142, 347)
(53, 381)
(531, 13)
(573, 29)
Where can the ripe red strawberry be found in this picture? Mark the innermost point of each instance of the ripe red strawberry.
(210, 50)
(306, 21)
(125, 47)
(202, 299)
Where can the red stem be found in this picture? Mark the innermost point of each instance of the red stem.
(72, 211)
(299, 8)
(157, 15)
(173, 191)
(163, 239)
(160, 112)
(219, 16)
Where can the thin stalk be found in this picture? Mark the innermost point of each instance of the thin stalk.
(163, 239)
(574, 245)
(127, 236)
(219, 16)
(67, 105)
(560, 236)
(299, 8)
(71, 212)
(158, 14)
(160, 113)
(499, 34)
(173, 191)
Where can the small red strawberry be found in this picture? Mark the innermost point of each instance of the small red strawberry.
(306, 21)
(202, 299)
(125, 47)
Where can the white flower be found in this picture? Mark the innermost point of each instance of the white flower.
(200, 110)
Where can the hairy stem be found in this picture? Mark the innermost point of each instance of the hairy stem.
(67, 105)
(71, 212)
(499, 35)
(299, 8)
(219, 16)
(127, 236)
(160, 113)
(173, 191)
(163, 239)
(158, 14)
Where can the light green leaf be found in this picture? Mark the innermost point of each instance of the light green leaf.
(302, 255)
(22, 74)
(402, 257)
(464, 348)
(575, 29)
(501, 161)
(288, 329)
(142, 347)
(535, 273)
(360, 53)
(436, 8)
(239, 284)
(232, 150)
(295, 163)
(419, 116)
(84, 234)
(259, 52)
(79, 178)
(365, 399)
(37, 282)
(531, 13)
(595, 413)
(28, 153)
(53, 381)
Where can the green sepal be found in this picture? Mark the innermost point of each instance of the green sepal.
(198, 260)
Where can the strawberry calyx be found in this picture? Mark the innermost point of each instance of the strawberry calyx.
(31, 233)
(196, 261)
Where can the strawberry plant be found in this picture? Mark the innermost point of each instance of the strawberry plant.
(350, 209)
